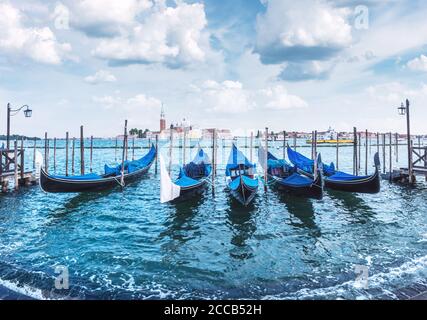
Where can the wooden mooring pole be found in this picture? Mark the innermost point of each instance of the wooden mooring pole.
(295, 141)
(384, 167)
(266, 162)
(338, 146)
(213, 161)
(115, 152)
(170, 150)
(73, 155)
(82, 152)
(396, 141)
(34, 153)
(15, 171)
(66, 154)
(157, 153)
(54, 155)
(251, 146)
(124, 152)
(91, 154)
(46, 164)
(284, 144)
(366, 152)
(133, 149)
(22, 162)
(355, 161)
(390, 151)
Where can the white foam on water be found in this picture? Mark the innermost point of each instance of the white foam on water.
(374, 281)
(25, 290)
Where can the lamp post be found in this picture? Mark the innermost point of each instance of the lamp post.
(404, 110)
(12, 112)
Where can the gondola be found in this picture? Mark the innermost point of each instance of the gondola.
(191, 181)
(241, 177)
(133, 170)
(338, 180)
(285, 177)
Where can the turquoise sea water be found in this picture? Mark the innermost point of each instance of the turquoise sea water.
(126, 245)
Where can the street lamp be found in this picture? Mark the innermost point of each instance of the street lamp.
(13, 112)
(404, 110)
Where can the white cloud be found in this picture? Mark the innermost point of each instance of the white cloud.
(418, 64)
(393, 93)
(139, 102)
(174, 36)
(301, 30)
(231, 97)
(226, 97)
(101, 76)
(38, 44)
(100, 18)
(295, 71)
(278, 98)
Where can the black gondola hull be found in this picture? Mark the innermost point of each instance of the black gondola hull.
(370, 184)
(315, 190)
(191, 192)
(244, 193)
(57, 185)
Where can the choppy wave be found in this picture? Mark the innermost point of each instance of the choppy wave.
(385, 281)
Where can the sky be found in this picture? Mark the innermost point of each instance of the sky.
(238, 64)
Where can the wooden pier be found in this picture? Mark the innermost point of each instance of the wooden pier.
(12, 168)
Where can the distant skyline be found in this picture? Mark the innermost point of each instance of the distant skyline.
(237, 64)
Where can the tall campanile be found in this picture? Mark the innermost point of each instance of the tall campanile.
(162, 119)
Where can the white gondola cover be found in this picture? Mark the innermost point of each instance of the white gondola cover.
(168, 190)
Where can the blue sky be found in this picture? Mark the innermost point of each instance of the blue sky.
(238, 64)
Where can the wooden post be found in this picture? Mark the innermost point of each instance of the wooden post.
(390, 155)
(133, 149)
(157, 153)
(410, 144)
(22, 159)
(34, 154)
(295, 141)
(15, 158)
(384, 167)
(251, 146)
(184, 146)
(82, 152)
(397, 146)
(54, 154)
(266, 162)
(46, 164)
(66, 154)
(378, 143)
(124, 154)
(355, 160)
(315, 144)
(91, 154)
(115, 152)
(359, 156)
(126, 147)
(366, 152)
(213, 161)
(338, 146)
(170, 150)
(284, 144)
(72, 156)
(312, 145)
